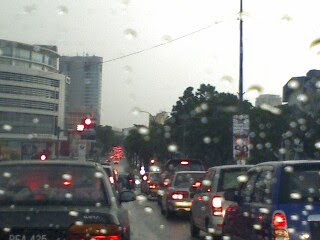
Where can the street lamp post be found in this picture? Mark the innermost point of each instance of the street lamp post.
(241, 55)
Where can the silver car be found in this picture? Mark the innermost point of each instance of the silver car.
(208, 204)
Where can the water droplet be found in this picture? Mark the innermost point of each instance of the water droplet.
(317, 84)
(242, 178)
(259, 146)
(227, 80)
(293, 124)
(264, 210)
(130, 34)
(7, 174)
(268, 145)
(172, 148)
(30, 136)
(73, 213)
(29, 9)
(148, 210)
(62, 10)
(295, 196)
(35, 120)
(294, 217)
(98, 174)
(6, 229)
(315, 43)
(293, 84)
(78, 223)
(7, 127)
(257, 227)
(282, 151)
(67, 176)
(167, 38)
(135, 111)
(68, 195)
(143, 130)
(198, 110)
(208, 237)
(255, 88)
(204, 106)
(167, 135)
(127, 69)
(262, 135)
(2, 192)
(204, 120)
(317, 145)
(269, 108)
(146, 138)
(167, 128)
(302, 98)
(161, 226)
(288, 169)
(141, 198)
(226, 238)
(125, 2)
(206, 182)
(207, 140)
(286, 17)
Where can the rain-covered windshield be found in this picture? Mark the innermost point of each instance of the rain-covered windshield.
(186, 179)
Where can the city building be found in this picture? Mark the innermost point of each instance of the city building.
(302, 91)
(83, 95)
(273, 100)
(32, 96)
(159, 118)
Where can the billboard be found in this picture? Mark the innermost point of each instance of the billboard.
(241, 140)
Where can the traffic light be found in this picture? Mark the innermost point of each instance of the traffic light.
(87, 129)
(80, 127)
(152, 161)
(88, 122)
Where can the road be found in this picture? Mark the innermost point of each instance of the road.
(147, 222)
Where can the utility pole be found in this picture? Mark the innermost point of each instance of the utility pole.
(241, 55)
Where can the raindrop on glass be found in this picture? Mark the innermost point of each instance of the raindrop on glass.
(172, 148)
(7, 127)
(62, 10)
(207, 140)
(167, 38)
(302, 98)
(130, 34)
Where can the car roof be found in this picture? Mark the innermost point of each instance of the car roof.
(288, 162)
(50, 162)
(231, 166)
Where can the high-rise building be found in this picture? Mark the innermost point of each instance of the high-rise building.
(32, 97)
(83, 95)
(273, 100)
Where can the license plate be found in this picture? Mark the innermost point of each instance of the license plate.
(28, 237)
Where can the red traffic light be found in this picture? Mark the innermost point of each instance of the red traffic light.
(43, 157)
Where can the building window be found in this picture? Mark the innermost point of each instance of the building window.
(6, 51)
(22, 53)
(37, 57)
(22, 64)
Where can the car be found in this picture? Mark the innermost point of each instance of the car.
(60, 200)
(208, 206)
(176, 197)
(173, 165)
(150, 184)
(279, 200)
(111, 173)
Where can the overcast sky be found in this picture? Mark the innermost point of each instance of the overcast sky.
(277, 37)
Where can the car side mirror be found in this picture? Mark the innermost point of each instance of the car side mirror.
(232, 196)
(127, 196)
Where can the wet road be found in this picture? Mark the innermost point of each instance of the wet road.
(147, 223)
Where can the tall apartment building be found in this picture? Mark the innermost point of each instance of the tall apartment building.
(32, 97)
(273, 100)
(83, 95)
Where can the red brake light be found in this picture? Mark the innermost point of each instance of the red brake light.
(179, 195)
(279, 220)
(184, 162)
(67, 182)
(43, 157)
(145, 178)
(217, 206)
(94, 231)
(153, 186)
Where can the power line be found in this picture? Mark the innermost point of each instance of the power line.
(153, 47)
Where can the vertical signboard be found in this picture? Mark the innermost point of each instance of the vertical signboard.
(241, 140)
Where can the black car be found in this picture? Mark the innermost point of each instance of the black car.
(60, 200)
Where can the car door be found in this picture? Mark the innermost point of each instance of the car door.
(239, 224)
(261, 204)
(204, 198)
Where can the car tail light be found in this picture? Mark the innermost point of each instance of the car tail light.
(111, 180)
(185, 162)
(94, 232)
(179, 195)
(197, 184)
(279, 224)
(153, 186)
(279, 220)
(217, 206)
(145, 178)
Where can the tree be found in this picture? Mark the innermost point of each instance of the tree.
(107, 138)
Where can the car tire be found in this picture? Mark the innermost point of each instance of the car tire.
(168, 213)
(194, 230)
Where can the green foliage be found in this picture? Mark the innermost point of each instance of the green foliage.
(107, 138)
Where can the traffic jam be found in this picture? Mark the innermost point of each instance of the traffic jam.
(43, 199)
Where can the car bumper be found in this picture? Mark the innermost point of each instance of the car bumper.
(179, 206)
(215, 225)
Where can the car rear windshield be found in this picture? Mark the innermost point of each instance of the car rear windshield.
(229, 178)
(300, 184)
(108, 171)
(154, 177)
(186, 179)
(175, 166)
(51, 185)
